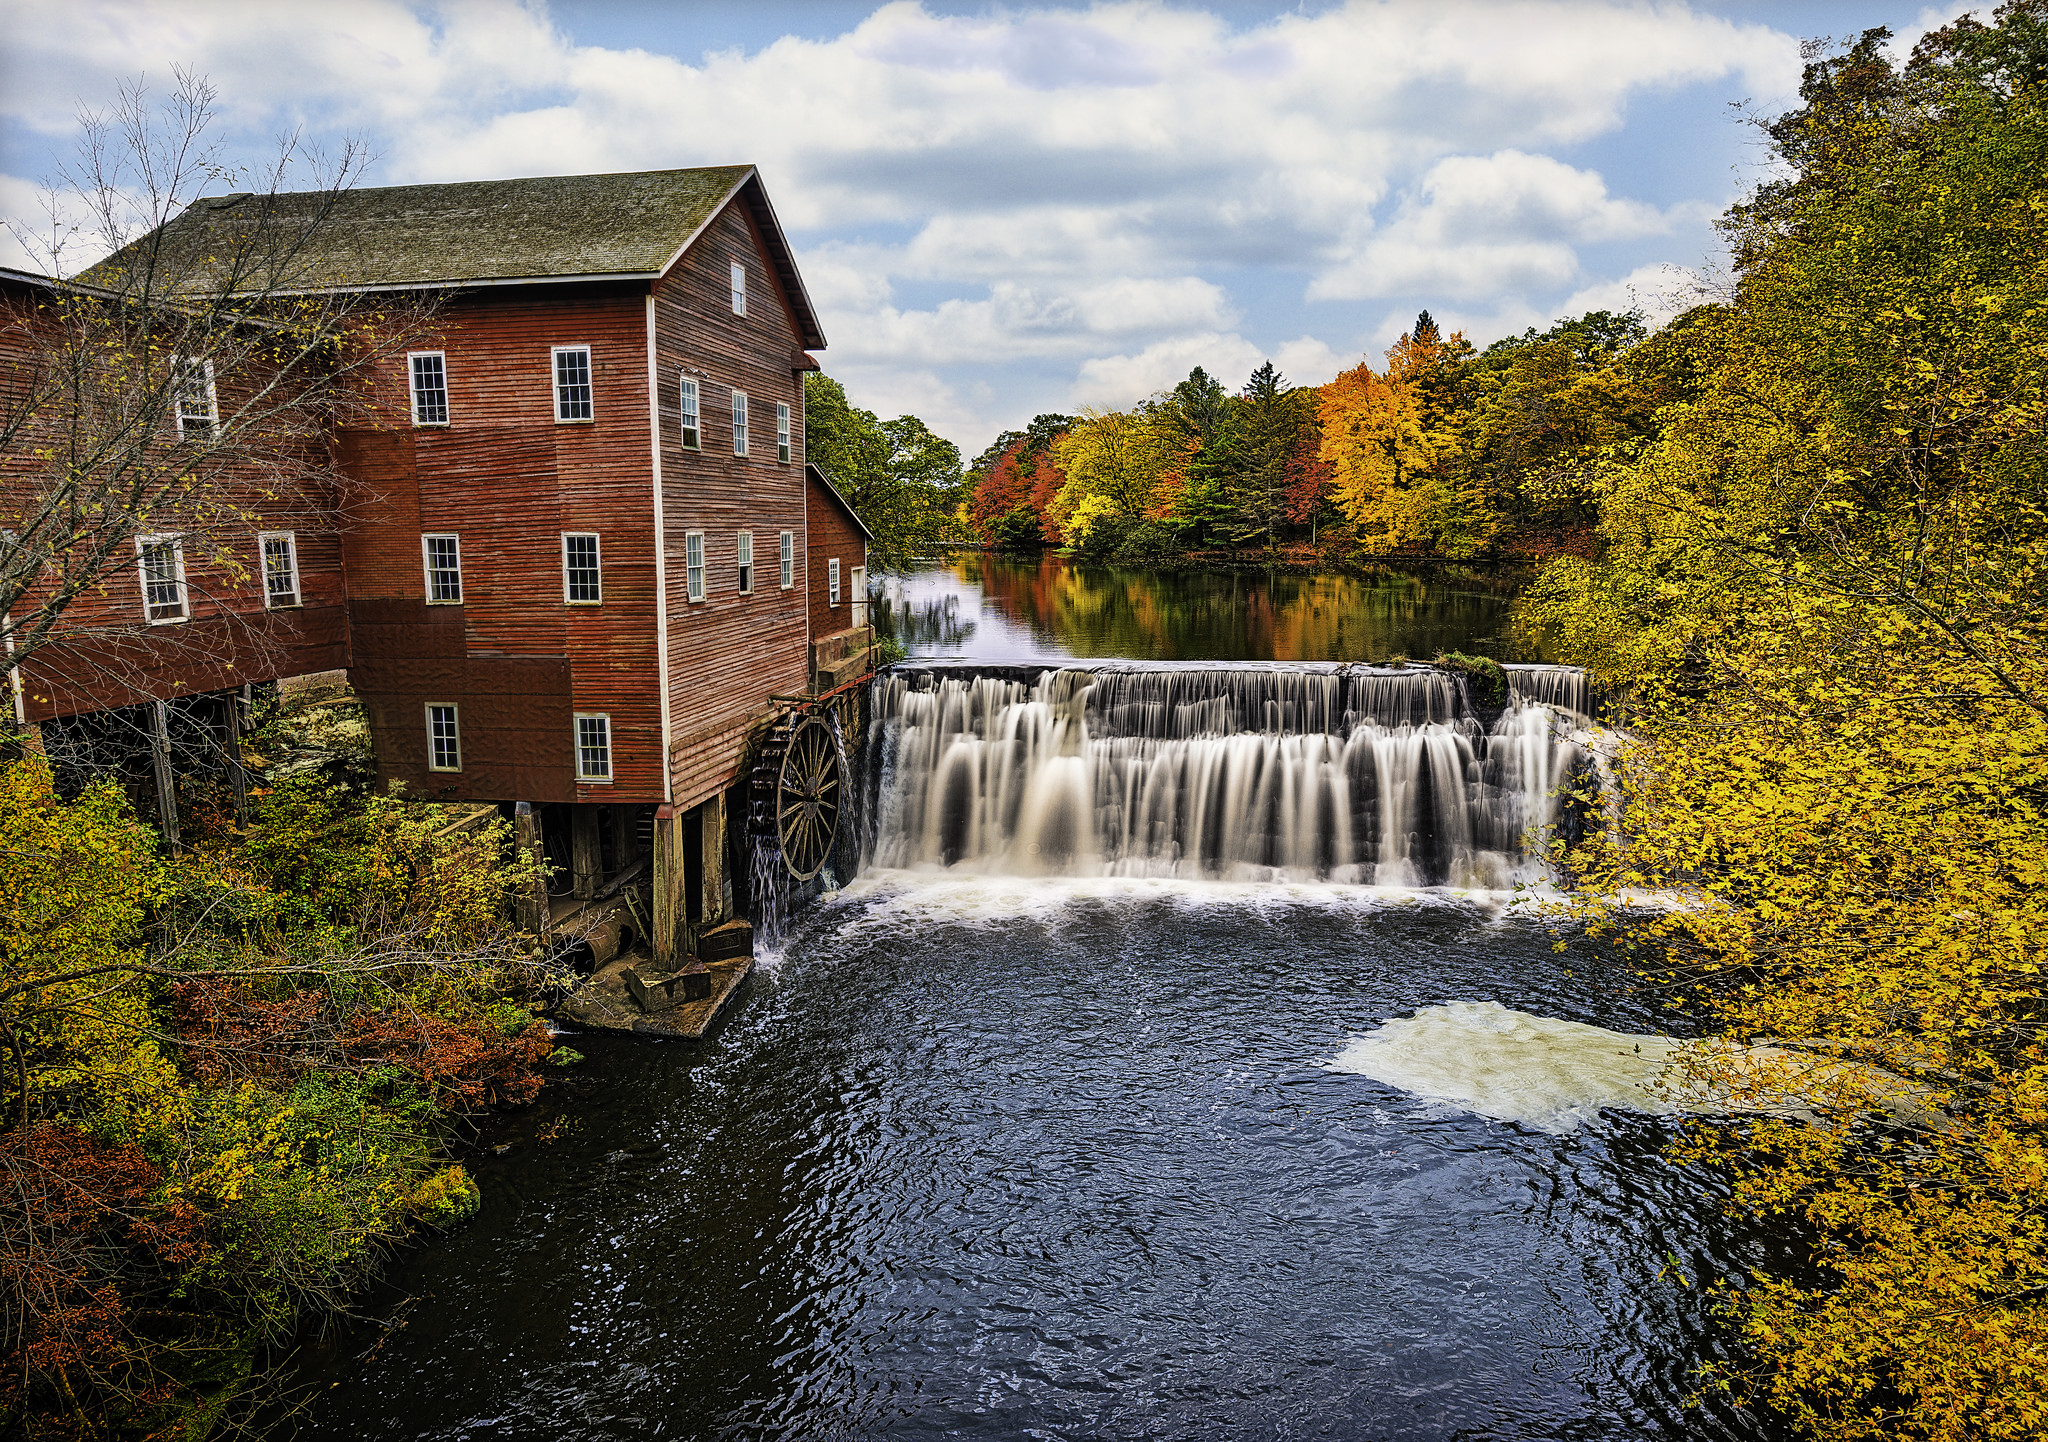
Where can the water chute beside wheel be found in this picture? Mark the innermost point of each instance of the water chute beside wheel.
(808, 796)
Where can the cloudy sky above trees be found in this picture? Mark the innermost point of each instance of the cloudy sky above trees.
(1002, 210)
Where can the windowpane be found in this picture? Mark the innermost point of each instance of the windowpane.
(832, 581)
(192, 386)
(746, 557)
(739, 289)
(582, 578)
(693, 564)
(788, 559)
(429, 390)
(689, 413)
(739, 423)
(280, 570)
(444, 569)
(444, 743)
(572, 383)
(594, 748)
(163, 580)
(782, 434)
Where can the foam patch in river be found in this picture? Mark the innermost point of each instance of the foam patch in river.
(1480, 1056)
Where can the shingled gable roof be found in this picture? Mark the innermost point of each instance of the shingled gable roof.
(632, 226)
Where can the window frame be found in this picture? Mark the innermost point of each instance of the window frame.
(427, 565)
(454, 711)
(739, 288)
(739, 424)
(176, 541)
(785, 559)
(832, 581)
(181, 366)
(291, 541)
(690, 417)
(583, 777)
(412, 376)
(555, 354)
(782, 432)
(743, 561)
(693, 567)
(569, 596)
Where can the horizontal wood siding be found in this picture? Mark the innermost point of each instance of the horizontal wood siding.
(509, 480)
(833, 534)
(729, 652)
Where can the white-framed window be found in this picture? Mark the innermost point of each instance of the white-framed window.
(441, 553)
(746, 559)
(162, 562)
(193, 397)
(858, 586)
(582, 575)
(739, 289)
(782, 433)
(786, 550)
(693, 565)
(429, 387)
(280, 569)
(444, 737)
(739, 423)
(686, 396)
(573, 399)
(832, 582)
(593, 746)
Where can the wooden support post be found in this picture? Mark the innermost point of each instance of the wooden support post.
(530, 907)
(585, 865)
(238, 779)
(669, 908)
(715, 904)
(166, 784)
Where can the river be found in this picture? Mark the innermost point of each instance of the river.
(1142, 1136)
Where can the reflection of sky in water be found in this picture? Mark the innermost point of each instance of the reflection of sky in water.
(1025, 610)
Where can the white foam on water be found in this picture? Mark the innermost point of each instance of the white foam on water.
(1513, 1066)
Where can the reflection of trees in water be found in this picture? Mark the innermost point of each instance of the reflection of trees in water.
(920, 623)
(1239, 615)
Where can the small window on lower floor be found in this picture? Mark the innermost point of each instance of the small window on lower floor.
(280, 569)
(163, 578)
(693, 565)
(788, 559)
(444, 738)
(832, 582)
(593, 746)
(746, 556)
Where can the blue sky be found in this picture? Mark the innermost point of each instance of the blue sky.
(1002, 210)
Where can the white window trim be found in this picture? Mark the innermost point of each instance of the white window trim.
(291, 539)
(599, 540)
(693, 575)
(178, 367)
(832, 582)
(427, 565)
(739, 288)
(783, 433)
(576, 739)
(555, 383)
(429, 710)
(412, 388)
(743, 561)
(690, 423)
(177, 543)
(739, 424)
(785, 559)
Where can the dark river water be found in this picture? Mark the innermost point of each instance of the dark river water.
(1075, 1157)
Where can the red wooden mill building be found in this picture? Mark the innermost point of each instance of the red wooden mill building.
(578, 573)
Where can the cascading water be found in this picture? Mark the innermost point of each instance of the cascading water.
(1388, 777)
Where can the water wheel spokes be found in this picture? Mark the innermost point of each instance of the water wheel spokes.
(808, 798)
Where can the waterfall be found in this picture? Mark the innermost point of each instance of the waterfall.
(1382, 776)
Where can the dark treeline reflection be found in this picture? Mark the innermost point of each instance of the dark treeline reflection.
(982, 604)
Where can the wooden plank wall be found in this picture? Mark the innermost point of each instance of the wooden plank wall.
(509, 480)
(728, 652)
(832, 534)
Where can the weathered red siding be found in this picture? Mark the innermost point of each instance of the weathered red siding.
(728, 652)
(832, 534)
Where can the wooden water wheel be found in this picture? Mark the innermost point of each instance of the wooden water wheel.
(808, 796)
